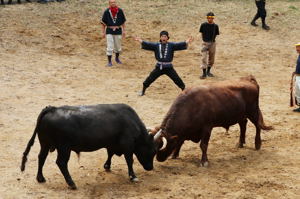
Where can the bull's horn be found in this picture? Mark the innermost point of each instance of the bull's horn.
(158, 134)
(164, 143)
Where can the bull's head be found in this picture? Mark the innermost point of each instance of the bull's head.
(165, 143)
(147, 148)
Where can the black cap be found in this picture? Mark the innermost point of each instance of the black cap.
(210, 14)
(164, 33)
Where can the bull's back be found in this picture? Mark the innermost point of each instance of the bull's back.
(218, 105)
(88, 128)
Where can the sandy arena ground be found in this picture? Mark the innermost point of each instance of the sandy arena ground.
(53, 55)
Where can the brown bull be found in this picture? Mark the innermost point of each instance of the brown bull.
(196, 111)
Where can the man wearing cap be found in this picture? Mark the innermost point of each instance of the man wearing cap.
(261, 13)
(113, 27)
(297, 79)
(164, 53)
(209, 31)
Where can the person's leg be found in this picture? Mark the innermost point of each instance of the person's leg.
(297, 93)
(110, 48)
(204, 53)
(257, 14)
(211, 58)
(150, 79)
(263, 14)
(118, 47)
(170, 72)
(254, 19)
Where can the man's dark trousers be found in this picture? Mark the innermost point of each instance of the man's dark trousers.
(170, 72)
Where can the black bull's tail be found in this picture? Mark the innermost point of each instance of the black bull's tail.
(261, 122)
(31, 141)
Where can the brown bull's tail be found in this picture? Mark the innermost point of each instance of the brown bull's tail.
(31, 141)
(292, 98)
(261, 122)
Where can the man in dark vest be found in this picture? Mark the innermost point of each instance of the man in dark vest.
(164, 53)
(261, 13)
(113, 28)
(209, 31)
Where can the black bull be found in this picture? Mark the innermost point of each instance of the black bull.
(196, 111)
(115, 127)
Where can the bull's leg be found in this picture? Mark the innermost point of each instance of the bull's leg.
(243, 126)
(254, 119)
(2, 2)
(107, 164)
(9, 2)
(204, 146)
(129, 161)
(177, 149)
(63, 156)
(19, 1)
(257, 137)
(42, 158)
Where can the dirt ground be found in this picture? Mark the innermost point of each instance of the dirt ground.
(52, 54)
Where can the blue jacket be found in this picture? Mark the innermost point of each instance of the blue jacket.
(298, 65)
(164, 52)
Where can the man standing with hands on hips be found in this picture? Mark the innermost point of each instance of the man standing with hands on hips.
(113, 27)
(209, 32)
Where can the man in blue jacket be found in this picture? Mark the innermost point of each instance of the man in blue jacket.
(164, 53)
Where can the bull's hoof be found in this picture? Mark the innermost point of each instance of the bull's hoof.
(73, 187)
(134, 179)
(40, 179)
(204, 164)
(174, 156)
(107, 167)
(240, 145)
(257, 146)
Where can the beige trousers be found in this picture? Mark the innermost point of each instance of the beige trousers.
(208, 52)
(297, 89)
(113, 44)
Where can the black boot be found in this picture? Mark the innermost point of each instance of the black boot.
(109, 64)
(264, 25)
(204, 74)
(297, 110)
(117, 58)
(254, 19)
(209, 74)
